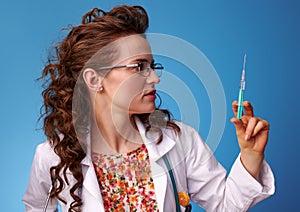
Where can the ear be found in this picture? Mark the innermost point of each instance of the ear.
(92, 79)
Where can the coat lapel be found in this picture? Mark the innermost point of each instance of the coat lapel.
(91, 196)
(158, 170)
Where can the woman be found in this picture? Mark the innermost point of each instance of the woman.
(110, 149)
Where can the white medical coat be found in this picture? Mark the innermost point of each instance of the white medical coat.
(196, 172)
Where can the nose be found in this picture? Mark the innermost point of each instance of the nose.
(153, 78)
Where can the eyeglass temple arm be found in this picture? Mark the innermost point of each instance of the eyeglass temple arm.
(121, 66)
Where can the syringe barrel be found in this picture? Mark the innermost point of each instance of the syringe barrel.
(243, 85)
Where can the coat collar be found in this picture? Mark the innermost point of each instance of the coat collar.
(156, 151)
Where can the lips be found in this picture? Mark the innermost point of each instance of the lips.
(150, 95)
(152, 92)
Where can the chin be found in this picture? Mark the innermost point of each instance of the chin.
(143, 110)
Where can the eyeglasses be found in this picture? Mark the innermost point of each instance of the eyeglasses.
(143, 68)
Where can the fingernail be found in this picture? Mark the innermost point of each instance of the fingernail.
(246, 137)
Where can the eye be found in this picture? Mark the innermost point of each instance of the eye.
(141, 66)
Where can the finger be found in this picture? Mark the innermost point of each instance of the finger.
(250, 128)
(261, 125)
(238, 125)
(235, 107)
(245, 120)
(248, 109)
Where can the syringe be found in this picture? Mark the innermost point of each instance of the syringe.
(242, 91)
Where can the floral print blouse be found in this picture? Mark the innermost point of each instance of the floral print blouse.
(125, 181)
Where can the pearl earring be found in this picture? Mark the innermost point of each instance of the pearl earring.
(100, 88)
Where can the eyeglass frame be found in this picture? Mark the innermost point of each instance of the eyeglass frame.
(149, 66)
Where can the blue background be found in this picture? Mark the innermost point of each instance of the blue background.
(268, 31)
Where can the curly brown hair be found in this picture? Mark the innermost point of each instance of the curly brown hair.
(98, 28)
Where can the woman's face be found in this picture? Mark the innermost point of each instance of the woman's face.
(124, 88)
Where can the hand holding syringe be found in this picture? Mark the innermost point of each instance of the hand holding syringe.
(252, 132)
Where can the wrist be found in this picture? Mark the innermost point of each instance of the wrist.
(252, 154)
(252, 161)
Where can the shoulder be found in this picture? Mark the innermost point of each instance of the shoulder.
(45, 155)
(186, 132)
(189, 139)
(197, 151)
(46, 149)
(185, 127)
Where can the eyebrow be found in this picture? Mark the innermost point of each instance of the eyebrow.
(141, 60)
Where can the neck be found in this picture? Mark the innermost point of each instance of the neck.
(114, 133)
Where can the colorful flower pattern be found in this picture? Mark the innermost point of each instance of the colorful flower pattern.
(125, 181)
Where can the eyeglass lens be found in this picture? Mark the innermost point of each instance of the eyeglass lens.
(145, 68)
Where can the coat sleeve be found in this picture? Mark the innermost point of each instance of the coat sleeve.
(39, 182)
(208, 186)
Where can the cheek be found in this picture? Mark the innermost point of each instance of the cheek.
(126, 90)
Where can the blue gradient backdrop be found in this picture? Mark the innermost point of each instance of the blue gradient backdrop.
(268, 31)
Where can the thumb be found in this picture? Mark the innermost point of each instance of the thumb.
(238, 125)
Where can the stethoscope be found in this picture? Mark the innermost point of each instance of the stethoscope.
(188, 208)
(48, 199)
